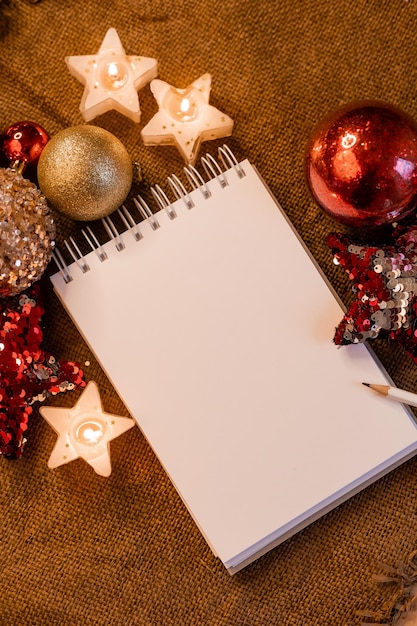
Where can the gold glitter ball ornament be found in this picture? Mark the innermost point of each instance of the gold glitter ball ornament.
(27, 233)
(85, 172)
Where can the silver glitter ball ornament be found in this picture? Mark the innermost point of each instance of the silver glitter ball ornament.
(85, 172)
(27, 233)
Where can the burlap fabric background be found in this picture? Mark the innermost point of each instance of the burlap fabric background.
(80, 550)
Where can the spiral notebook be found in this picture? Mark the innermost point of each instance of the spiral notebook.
(215, 327)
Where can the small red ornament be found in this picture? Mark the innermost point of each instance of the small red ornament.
(23, 142)
(361, 164)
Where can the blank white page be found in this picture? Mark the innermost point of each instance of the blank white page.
(216, 331)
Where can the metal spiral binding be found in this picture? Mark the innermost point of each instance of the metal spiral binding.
(180, 191)
(62, 266)
(94, 244)
(213, 172)
(77, 255)
(229, 160)
(197, 181)
(146, 212)
(130, 223)
(162, 199)
(113, 233)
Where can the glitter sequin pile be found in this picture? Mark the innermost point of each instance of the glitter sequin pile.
(27, 233)
(385, 282)
(28, 374)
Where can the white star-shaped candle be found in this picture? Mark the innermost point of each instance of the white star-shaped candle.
(185, 118)
(111, 78)
(84, 431)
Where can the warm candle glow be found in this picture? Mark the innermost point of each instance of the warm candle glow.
(85, 431)
(114, 74)
(90, 432)
(183, 105)
(185, 118)
(111, 78)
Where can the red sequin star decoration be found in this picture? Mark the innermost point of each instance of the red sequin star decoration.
(385, 282)
(27, 373)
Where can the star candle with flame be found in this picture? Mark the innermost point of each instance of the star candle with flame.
(85, 431)
(111, 79)
(185, 118)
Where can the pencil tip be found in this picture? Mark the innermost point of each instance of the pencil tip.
(366, 384)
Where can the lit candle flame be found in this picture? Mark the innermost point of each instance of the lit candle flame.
(114, 74)
(90, 432)
(112, 71)
(185, 105)
(91, 435)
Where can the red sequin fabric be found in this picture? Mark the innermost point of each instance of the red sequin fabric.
(28, 374)
(385, 283)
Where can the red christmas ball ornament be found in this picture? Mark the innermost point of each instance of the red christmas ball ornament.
(361, 164)
(23, 143)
